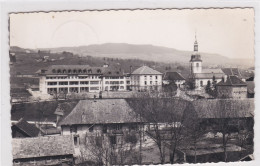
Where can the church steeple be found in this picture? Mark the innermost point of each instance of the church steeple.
(196, 44)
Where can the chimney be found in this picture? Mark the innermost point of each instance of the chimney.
(225, 78)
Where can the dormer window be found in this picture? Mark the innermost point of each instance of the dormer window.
(64, 71)
(53, 70)
(84, 71)
(117, 72)
(74, 71)
(109, 72)
(89, 71)
(69, 71)
(98, 71)
(80, 71)
(59, 71)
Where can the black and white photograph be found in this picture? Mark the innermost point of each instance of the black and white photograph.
(132, 87)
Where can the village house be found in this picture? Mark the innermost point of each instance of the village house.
(232, 87)
(49, 150)
(100, 116)
(173, 77)
(81, 78)
(200, 77)
(146, 78)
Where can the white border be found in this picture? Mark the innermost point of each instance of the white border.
(59, 5)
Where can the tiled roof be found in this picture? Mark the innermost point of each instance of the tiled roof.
(232, 81)
(224, 108)
(145, 70)
(100, 111)
(232, 72)
(42, 146)
(29, 129)
(250, 87)
(173, 76)
(208, 75)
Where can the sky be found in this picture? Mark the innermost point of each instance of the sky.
(228, 32)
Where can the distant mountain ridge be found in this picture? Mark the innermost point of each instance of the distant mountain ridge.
(144, 52)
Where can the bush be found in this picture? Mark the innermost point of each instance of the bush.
(131, 138)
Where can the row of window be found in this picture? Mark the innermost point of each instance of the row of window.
(75, 71)
(73, 77)
(72, 89)
(74, 83)
(114, 82)
(151, 82)
(114, 77)
(34, 160)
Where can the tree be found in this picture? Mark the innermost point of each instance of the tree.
(166, 118)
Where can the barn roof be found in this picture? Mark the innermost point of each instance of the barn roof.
(101, 111)
(145, 70)
(42, 146)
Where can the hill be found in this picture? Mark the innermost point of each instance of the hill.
(147, 52)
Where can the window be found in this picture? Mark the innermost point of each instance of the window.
(64, 71)
(113, 140)
(145, 83)
(76, 140)
(156, 77)
(54, 71)
(48, 159)
(197, 65)
(73, 129)
(121, 87)
(104, 128)
(201, 83)
(107, 82)
(91, 128)
(74, 83)
(94, 82)
(118, 127)
(74, 71)
(151, 82)
(121, 82)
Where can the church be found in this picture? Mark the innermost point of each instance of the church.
(200, 76)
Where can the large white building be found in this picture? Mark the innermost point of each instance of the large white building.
(201, 76)
(81, 78)
(146, 78)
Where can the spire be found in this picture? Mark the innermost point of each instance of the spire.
(195, 43)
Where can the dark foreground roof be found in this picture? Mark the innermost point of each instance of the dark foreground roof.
(101, 111)
(173, 76)
(42, 146)
(29, 129)
(224, 108)
(232, 81)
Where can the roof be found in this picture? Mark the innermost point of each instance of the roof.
(224, 108)
(250, 86)
(232, 72)
(213, 71)
(195, 57)
(100, 111)
(32, 111)
(208, 75)
(42, 146)
(80, 69)
(232, 81)
(29, 129)
(145, 70)
(173, 76)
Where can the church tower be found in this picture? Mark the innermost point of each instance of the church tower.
(195, 61)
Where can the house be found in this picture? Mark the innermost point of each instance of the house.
(146, 78)
(111, 117)
(23, 129)
(231, 87)
(173, 77)
(201, 77)
(49, 150)
(81, 79)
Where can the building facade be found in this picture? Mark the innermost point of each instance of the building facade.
(232, 87)
(80, 79)
(146, 78)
